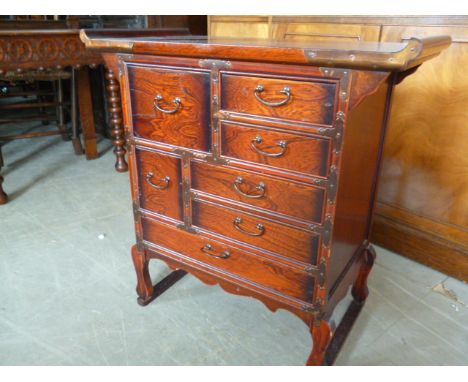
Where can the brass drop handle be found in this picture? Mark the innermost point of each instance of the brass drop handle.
(286, 90)
(207, 249)
(260, 228)
(261, 187)
(159, 98)
(282, 144)
(164, 180)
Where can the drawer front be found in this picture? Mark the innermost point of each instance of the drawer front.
(292, 152)
(231, 260)
(285, 197)
(261, 233)
(159, 180)
(311, 102)
(170, 106)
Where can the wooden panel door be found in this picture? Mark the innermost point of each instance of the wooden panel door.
(239, 26)
(423, 189)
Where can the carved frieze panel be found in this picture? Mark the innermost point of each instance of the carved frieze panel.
(44, 50)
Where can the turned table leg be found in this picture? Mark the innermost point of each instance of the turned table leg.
(3, 195)
(146, 291)
(115, 111)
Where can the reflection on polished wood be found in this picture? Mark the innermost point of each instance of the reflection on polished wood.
(423, 191)
(427, 143)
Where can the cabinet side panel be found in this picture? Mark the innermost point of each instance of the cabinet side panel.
(361, 152)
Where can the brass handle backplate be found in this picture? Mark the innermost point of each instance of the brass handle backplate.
(164, 180)
(207, 249)
(261, 188)
(282, 144)
(260, 228)
(159, 98)
(286, 90)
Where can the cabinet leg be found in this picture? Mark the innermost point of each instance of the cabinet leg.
(360, 290)
(321, 335)
(146, 291)
(117, 131)
(3, 195)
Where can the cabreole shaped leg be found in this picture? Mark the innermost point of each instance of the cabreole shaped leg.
(145, 289)
(360, 290)
(322, 334)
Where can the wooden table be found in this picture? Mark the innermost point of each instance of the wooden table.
(30, 49)
(23, 50)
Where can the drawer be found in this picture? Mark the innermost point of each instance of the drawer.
(262, 233)
(311, 102)
(159, 181)
(227, 259)
(292, 152)
(261, 191)
(170, 106)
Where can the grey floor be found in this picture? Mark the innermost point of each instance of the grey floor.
(67, 287)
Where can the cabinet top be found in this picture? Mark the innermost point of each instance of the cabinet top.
(388, 56)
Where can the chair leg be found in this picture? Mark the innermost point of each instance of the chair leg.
(3, 195)
(61, 111)
(41, 98)
(77, 147)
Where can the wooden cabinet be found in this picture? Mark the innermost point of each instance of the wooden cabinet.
(249, 169)
(245, 26)
(422, 199)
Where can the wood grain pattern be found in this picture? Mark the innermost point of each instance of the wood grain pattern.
(423, 246)
(311, 102)
(236, 142)
(357, 179)
(425, 169)
(240, 263)
(252, 250)
(358, 55)
(189, 126)
(422, 192)
(233, 284)
(285, 197)
(309, 31)
(222, 26)
(47, 48)
(277, 238)
(167, 201)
